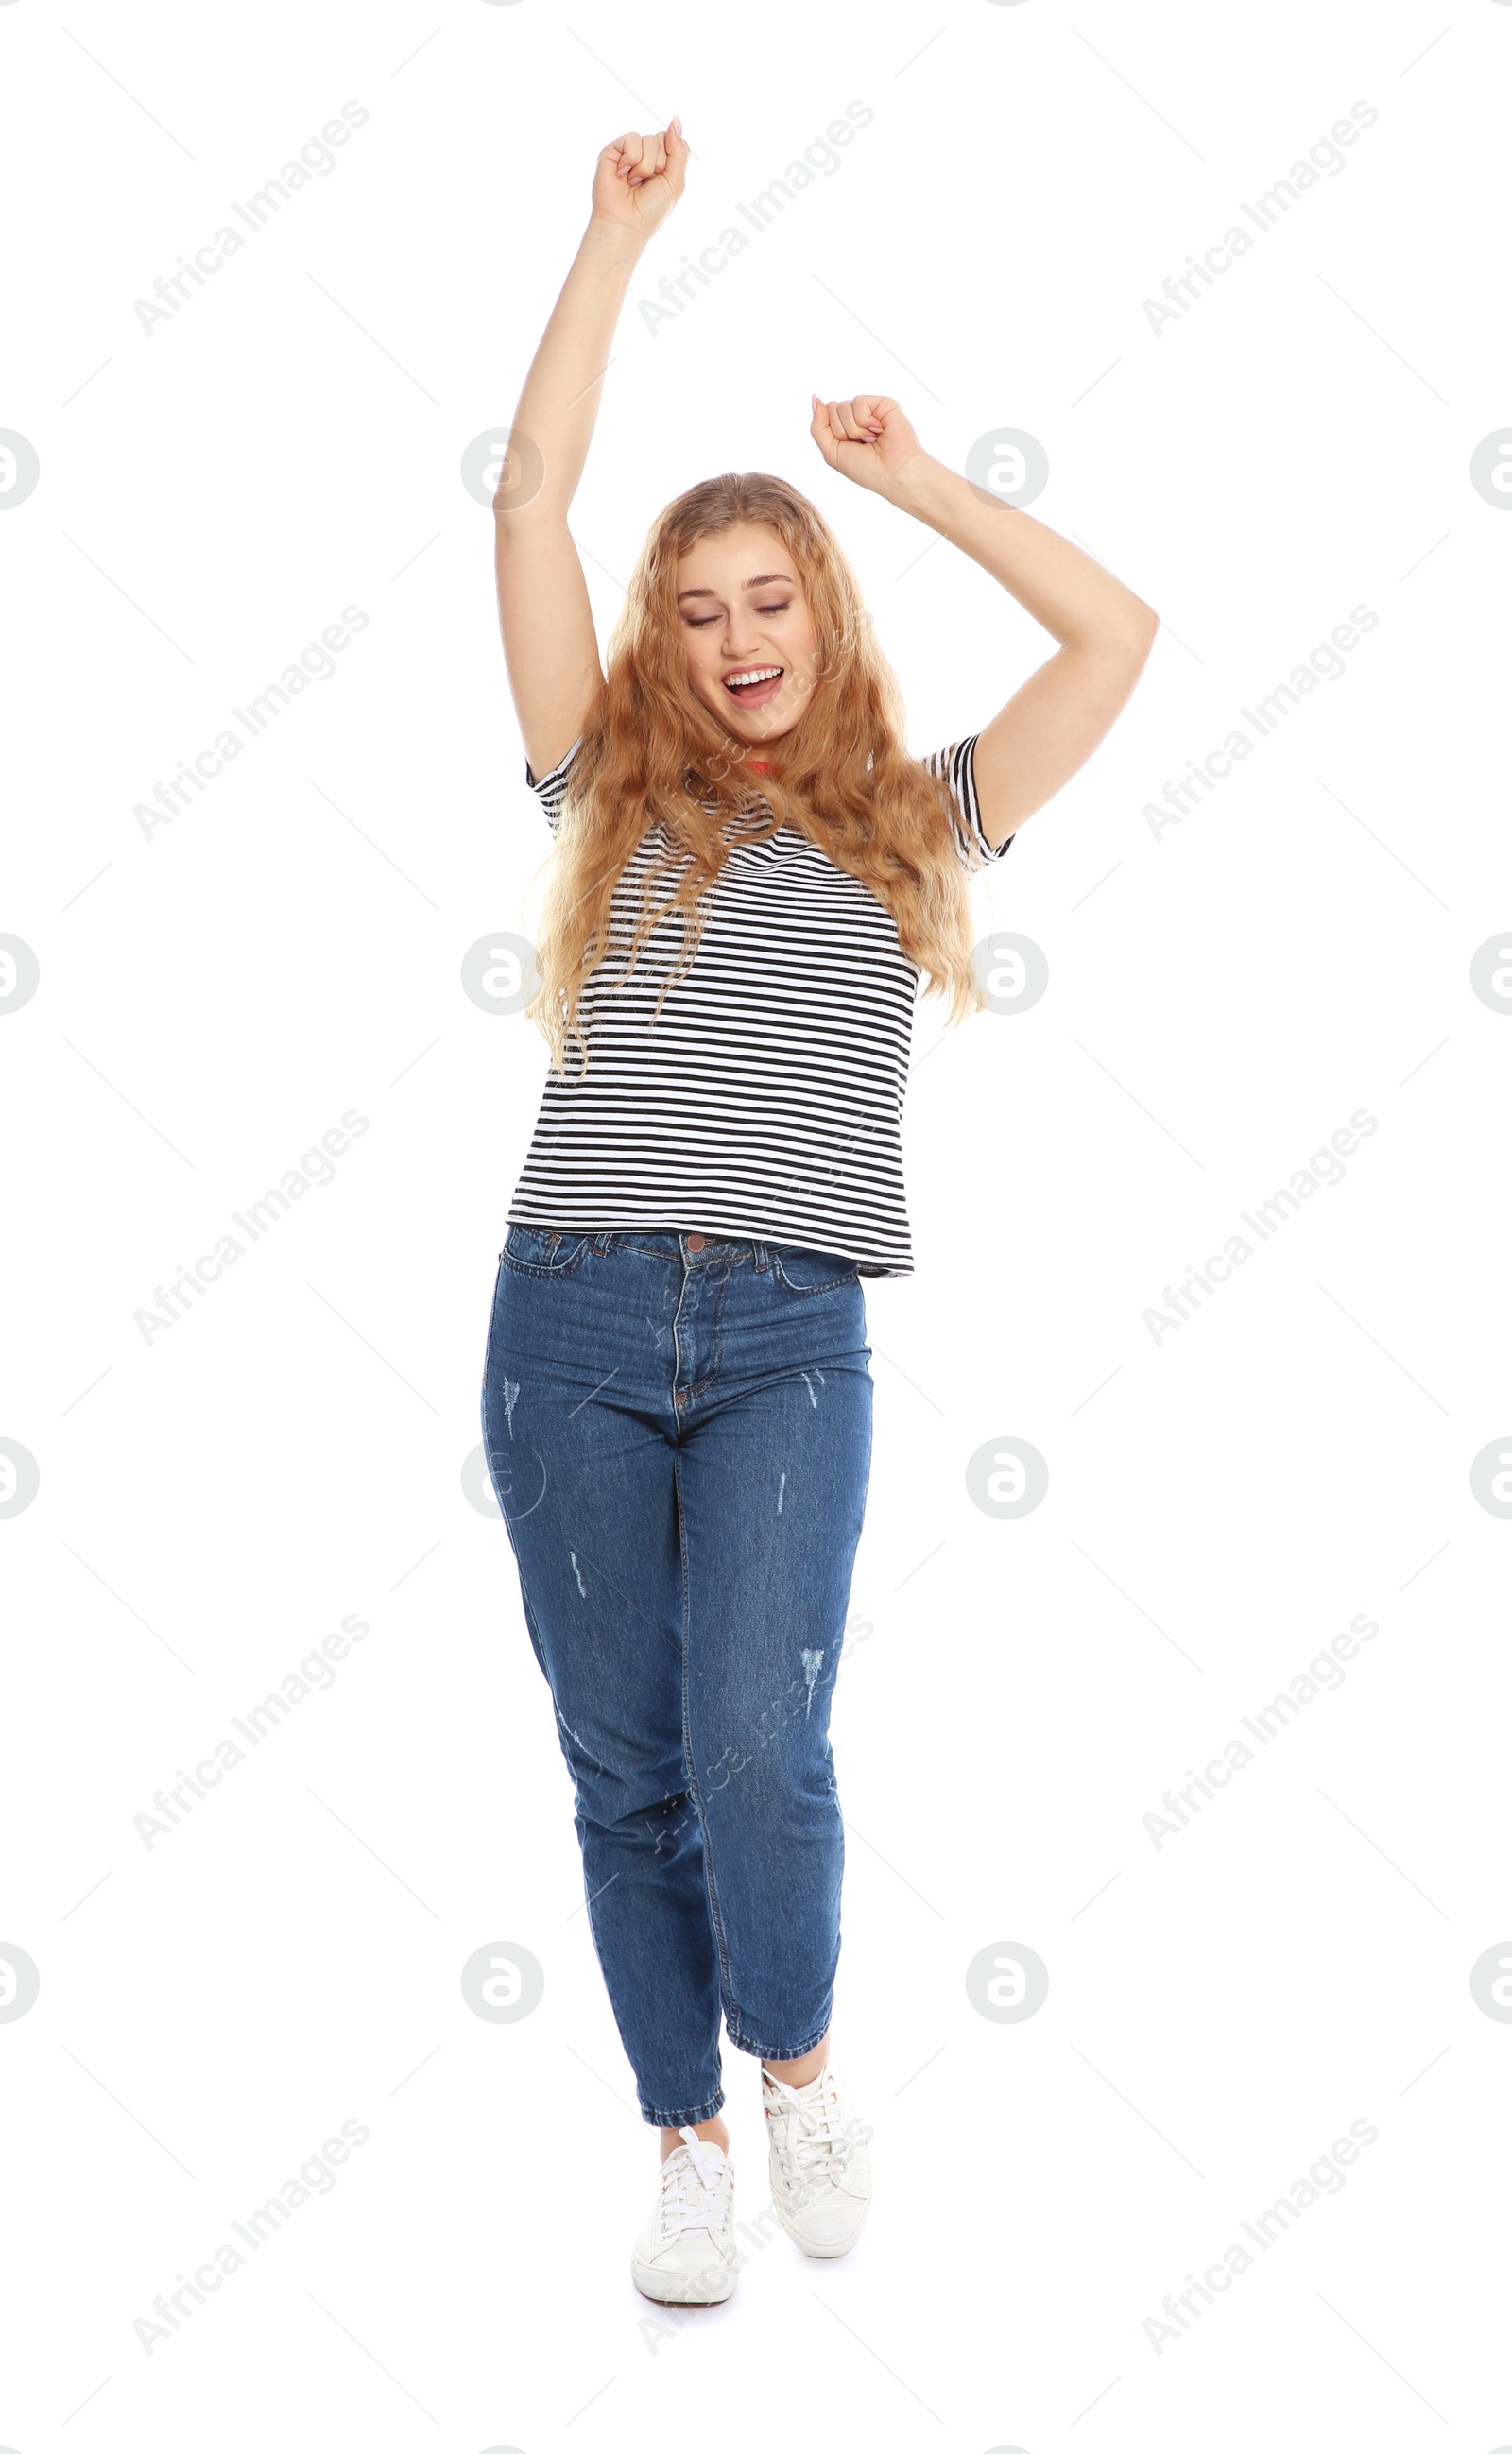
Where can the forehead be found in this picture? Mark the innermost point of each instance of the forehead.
(734, 557)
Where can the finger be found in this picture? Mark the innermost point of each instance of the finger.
(678, 151)
(865, 409)
(653, 161)
(844, 420)
(631, 149)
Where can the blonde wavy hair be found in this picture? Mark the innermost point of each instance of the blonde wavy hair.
(652, 751)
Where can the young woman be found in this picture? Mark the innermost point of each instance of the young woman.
(752, 879)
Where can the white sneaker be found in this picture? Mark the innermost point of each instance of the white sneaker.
(819, 2162)
(686, 2250)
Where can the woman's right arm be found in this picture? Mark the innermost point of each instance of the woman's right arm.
(550, 645)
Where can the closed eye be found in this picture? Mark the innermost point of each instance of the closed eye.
(701, 621)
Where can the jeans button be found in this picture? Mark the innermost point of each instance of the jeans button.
(695, 1243)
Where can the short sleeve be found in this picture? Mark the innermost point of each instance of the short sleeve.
(552, 789)
(955, 766)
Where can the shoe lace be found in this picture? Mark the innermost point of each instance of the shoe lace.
(695, 2186)
(810, 2135)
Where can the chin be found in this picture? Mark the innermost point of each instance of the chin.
(755, 728)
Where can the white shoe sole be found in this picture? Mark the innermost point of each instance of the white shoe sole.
(700, 2288)
(829, 2249)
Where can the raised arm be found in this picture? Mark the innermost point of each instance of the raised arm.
(550, 645)
(1054, 722)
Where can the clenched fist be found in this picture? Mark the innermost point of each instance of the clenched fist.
(641, 178)
(867, 440)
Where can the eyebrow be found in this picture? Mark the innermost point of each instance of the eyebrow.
(765, 580)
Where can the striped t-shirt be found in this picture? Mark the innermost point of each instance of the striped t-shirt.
(767, 1097)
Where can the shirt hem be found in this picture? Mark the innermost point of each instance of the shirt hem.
(869, 1264)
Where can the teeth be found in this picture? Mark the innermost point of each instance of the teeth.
(747, 681)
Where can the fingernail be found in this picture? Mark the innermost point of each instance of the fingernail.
(676, 121)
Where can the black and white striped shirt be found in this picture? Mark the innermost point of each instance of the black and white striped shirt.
(766, 1100)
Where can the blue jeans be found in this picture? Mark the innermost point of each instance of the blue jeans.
(679, 1430)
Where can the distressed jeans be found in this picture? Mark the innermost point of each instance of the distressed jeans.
(679, 1430)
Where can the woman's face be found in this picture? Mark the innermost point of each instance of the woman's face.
(752, 657)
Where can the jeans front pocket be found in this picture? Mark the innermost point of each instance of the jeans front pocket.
(544, 1252)
(804, 1271)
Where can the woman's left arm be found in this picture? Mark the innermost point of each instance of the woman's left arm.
(1055, 719)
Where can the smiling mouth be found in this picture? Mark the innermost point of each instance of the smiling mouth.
(757, 685)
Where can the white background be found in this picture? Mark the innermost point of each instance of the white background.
(1019, 1693)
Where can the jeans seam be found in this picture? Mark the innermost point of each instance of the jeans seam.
(716, 1922)
(487, 1358)
(712, 1374)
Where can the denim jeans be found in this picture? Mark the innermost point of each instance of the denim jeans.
(679, 1430)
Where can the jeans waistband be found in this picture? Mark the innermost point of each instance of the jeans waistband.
(677, 1243)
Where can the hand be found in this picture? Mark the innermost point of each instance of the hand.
(867, 439)
(639, 179)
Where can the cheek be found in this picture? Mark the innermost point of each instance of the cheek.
(705, 685)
